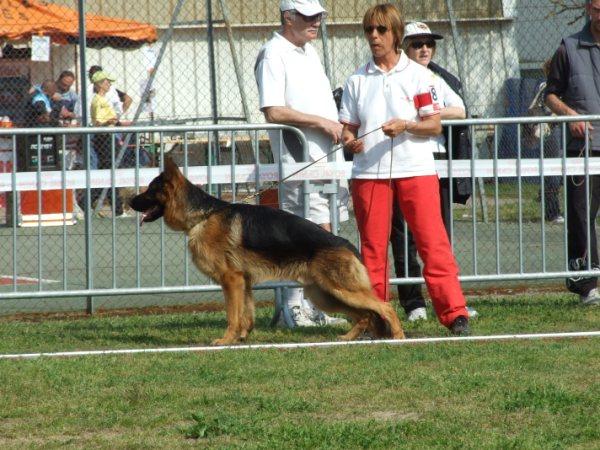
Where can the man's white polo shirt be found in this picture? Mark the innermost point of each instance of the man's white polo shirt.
(294, 77)
(373, 97)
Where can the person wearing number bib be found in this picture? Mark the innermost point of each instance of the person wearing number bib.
(394, 164)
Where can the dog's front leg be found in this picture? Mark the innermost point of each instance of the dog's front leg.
(247, 324)
(233, 290)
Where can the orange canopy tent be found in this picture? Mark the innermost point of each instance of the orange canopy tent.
(20, 19)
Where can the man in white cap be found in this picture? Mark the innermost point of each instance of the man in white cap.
(294, 90)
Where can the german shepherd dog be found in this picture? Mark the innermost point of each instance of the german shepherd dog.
(239, 245)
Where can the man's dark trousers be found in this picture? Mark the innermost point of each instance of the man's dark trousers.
(577, 227)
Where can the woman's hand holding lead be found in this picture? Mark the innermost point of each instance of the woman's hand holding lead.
(394, 127)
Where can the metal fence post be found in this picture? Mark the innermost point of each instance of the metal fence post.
(89, 249)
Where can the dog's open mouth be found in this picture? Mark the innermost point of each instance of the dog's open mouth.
(150, 215)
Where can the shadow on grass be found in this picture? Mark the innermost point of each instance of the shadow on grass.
(557, 312)
(183, 329)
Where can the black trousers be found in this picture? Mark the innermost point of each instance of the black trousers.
(410, 296)
(578, 226)
(552, 149)
(102, 145)
(552, 184)
(551, 197)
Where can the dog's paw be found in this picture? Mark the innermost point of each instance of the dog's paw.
(244, 335)
(350, 336)
(223, 341)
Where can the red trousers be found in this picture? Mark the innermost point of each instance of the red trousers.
(419, 200)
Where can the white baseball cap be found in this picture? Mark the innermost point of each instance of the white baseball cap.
(414, 29)
(304, 7)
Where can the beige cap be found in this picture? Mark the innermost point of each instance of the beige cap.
(418, 29)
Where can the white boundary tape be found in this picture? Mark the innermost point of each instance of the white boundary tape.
(246, 173)
(501, 337)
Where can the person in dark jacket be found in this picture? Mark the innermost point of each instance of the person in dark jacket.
(419, 44)
(573, 89)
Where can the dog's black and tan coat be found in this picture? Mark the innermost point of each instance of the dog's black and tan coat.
(239, 245)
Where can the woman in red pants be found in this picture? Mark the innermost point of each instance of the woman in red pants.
(391, 94)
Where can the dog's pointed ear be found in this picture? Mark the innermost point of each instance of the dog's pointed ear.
(171, 170)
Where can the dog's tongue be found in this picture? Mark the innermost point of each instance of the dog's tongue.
(142, 217)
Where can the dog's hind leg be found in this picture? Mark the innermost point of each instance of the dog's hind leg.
(248, 315)
(365, 310)
(362, 299)
(341, 274)
(366, 300)
(234, 287)
(360, 326)
(328, 303)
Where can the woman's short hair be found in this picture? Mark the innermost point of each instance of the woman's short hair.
(389, 16)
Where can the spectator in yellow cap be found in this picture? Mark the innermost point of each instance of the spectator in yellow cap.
(104, 115)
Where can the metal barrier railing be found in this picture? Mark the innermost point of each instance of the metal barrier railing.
(203, 151)
(114, 257)
(507, 160)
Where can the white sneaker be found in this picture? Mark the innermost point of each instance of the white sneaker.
(591, 299)
(417, 314)
(78, 212)
(301, 317)
(472, 312)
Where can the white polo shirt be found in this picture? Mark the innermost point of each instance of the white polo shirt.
(371, 98)
(294, 77)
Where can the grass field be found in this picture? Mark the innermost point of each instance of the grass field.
(513, 394)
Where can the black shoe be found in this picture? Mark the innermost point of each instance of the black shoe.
(460, 326)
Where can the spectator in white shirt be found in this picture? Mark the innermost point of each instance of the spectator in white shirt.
(294, 90)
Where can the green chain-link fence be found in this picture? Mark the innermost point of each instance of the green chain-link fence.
(191, 62)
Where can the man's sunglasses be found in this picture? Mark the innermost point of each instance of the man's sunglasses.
(381, 29)
(310, 19)
(416, 45)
